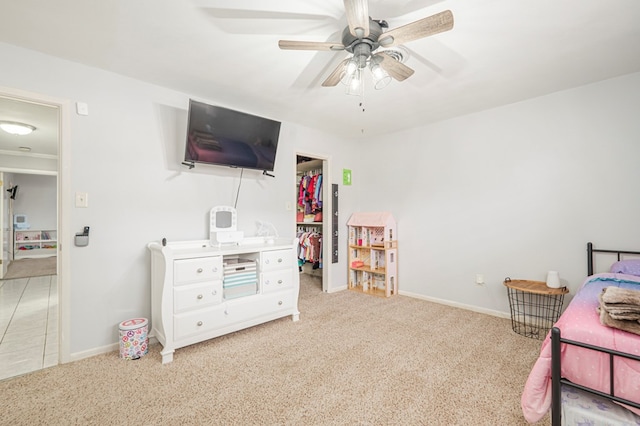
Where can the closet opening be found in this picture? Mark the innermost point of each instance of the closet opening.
(313, 214)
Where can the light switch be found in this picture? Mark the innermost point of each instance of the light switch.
(82, 199)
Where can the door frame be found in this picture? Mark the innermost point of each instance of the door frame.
(63, 214)
(8, 207)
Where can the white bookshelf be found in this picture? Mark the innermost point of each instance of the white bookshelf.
(34, 243)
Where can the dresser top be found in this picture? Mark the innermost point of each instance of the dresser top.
(198, 248)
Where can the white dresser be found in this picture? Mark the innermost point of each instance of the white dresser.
(199, 292)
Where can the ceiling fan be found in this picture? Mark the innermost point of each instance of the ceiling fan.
(363, 37)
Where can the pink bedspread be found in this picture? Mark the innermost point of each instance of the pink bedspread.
(581, 322)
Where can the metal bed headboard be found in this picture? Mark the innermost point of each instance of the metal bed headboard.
(591, 251)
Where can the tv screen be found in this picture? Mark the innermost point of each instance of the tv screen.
(224, 137)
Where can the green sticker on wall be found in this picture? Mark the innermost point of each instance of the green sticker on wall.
(346, 177)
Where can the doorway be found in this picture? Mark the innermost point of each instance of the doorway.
(313, 218)
(33, 159)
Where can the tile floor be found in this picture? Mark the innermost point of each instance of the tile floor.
(28, 325)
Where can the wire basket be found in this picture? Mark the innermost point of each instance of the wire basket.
(533, 315)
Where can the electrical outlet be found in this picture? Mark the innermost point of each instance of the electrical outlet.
(479, 279)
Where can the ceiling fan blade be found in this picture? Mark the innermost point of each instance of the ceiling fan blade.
(425, 27)
(394, 68)
(308, 45)
(336, 74)
(357, 17)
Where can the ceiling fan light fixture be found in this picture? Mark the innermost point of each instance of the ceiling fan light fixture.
(349, 70)
(381, 78)
(355, 84)
(16, 128)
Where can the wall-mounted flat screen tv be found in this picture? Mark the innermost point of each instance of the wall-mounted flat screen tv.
(224, 137)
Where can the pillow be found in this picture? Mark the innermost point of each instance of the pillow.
(629, 267)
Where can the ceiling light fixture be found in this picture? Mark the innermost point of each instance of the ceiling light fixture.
(15, 128)
(353, 76)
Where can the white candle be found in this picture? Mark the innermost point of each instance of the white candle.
(553, 279)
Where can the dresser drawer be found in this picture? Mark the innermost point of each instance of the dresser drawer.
(196, 296)
(201, 321)
(277, 280)
(276, 259)
(187, 271)
(256, 306)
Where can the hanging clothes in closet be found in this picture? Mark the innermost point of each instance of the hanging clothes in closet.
(310, 193)
(309, 247)
(309, 216)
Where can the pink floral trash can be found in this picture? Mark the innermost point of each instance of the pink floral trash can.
(134, 342)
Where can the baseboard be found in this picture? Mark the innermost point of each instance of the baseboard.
(491, 312)
(473, 308)
(77, 356)
(114, 347)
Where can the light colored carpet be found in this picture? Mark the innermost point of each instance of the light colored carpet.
(37, 267)
(352, 359)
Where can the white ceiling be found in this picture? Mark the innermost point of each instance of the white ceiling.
(499, 52)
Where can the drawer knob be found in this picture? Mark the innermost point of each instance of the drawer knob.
(199, 270)
(280, 260)
(199, 323)
(199, 296)
(279, 302)
(279, 281)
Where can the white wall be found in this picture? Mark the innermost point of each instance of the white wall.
(126, 155)
(37, 198)
(514, 191)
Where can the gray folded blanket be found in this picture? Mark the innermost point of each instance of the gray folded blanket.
(621, 303)
(621, 295)
(624, 325)
(621, 315)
